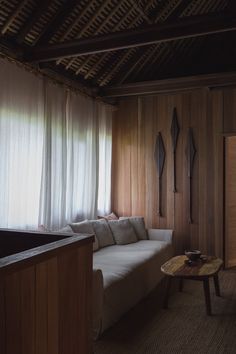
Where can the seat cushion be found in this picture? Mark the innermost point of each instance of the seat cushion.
(130, 272)
(119, 260)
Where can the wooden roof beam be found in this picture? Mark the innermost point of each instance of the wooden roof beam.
(41, 7)
(173, 15)
(57, 21)
(141, 11)
(170, 85)
(15, 13)
(182, 28)
(88, 24)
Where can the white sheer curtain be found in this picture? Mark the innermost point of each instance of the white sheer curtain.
(21, 143)
(55, 149)
(105, 147)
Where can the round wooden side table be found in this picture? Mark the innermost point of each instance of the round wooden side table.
(177, 267)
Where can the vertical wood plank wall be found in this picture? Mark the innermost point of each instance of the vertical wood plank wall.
(46, 308)
(134, 177)
(230, 201)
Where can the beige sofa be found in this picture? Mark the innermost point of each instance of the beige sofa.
(124, 274)
(126, 262)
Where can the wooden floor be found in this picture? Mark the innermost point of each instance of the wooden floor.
(183, 328)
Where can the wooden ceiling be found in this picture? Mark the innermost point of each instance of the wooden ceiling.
(101, 44)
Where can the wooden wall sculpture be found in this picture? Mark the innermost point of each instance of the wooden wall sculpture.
(159, 155)
(174, 136)
(190, 154)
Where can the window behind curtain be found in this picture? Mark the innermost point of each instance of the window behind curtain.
(55, 149)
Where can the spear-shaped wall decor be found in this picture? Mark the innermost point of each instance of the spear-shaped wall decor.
(190, 153)
(174, 136)
(159, 155)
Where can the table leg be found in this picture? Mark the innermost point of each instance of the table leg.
(207, 295)
(217, 286)
(168, 282)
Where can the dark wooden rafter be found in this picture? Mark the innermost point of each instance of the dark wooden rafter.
(178, 10)
(134, 65)
(13, 15)
(157, 11)
(77, 21)
(74, 23)
(167, 54)
(63, 12)
(119, 62)
(88, 24)
(156, 57)
(133, 23)
(102, 25)
(183, 28)
(41, 6)
(104, 55)
(159, 155)
(142, 14)
(181, 53)
(190, 154)
(173, 15)
(231, 7)
(141, 11)
(137, 64)
(127, 54)
(171, 85)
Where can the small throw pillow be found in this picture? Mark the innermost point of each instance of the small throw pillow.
(84, 227)
(43, 228)
(103, 232)
(139, 226)
(111, 216)
(123, 231)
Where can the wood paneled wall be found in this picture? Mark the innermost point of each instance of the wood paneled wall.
(230, 201)
(134, 175)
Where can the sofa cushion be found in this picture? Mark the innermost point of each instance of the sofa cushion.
(123, 231)
(130, 272)
(84, 227)
(66, 229)
(103, 232)
(139, 226)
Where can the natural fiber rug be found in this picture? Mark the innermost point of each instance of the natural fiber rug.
(183, 328)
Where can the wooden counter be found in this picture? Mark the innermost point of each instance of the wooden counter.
(45, 293)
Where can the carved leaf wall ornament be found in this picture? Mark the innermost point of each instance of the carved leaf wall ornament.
(190, 154)
(174, 135)
(159, 155)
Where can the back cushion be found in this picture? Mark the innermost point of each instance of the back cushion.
(123, 231)
(103, 232)
(111, 216)
(84, 227)
(66, 229)
(139, 226)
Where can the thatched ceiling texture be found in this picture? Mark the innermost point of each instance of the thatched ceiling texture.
(103, 43)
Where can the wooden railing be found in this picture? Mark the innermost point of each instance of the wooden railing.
(45, 293)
